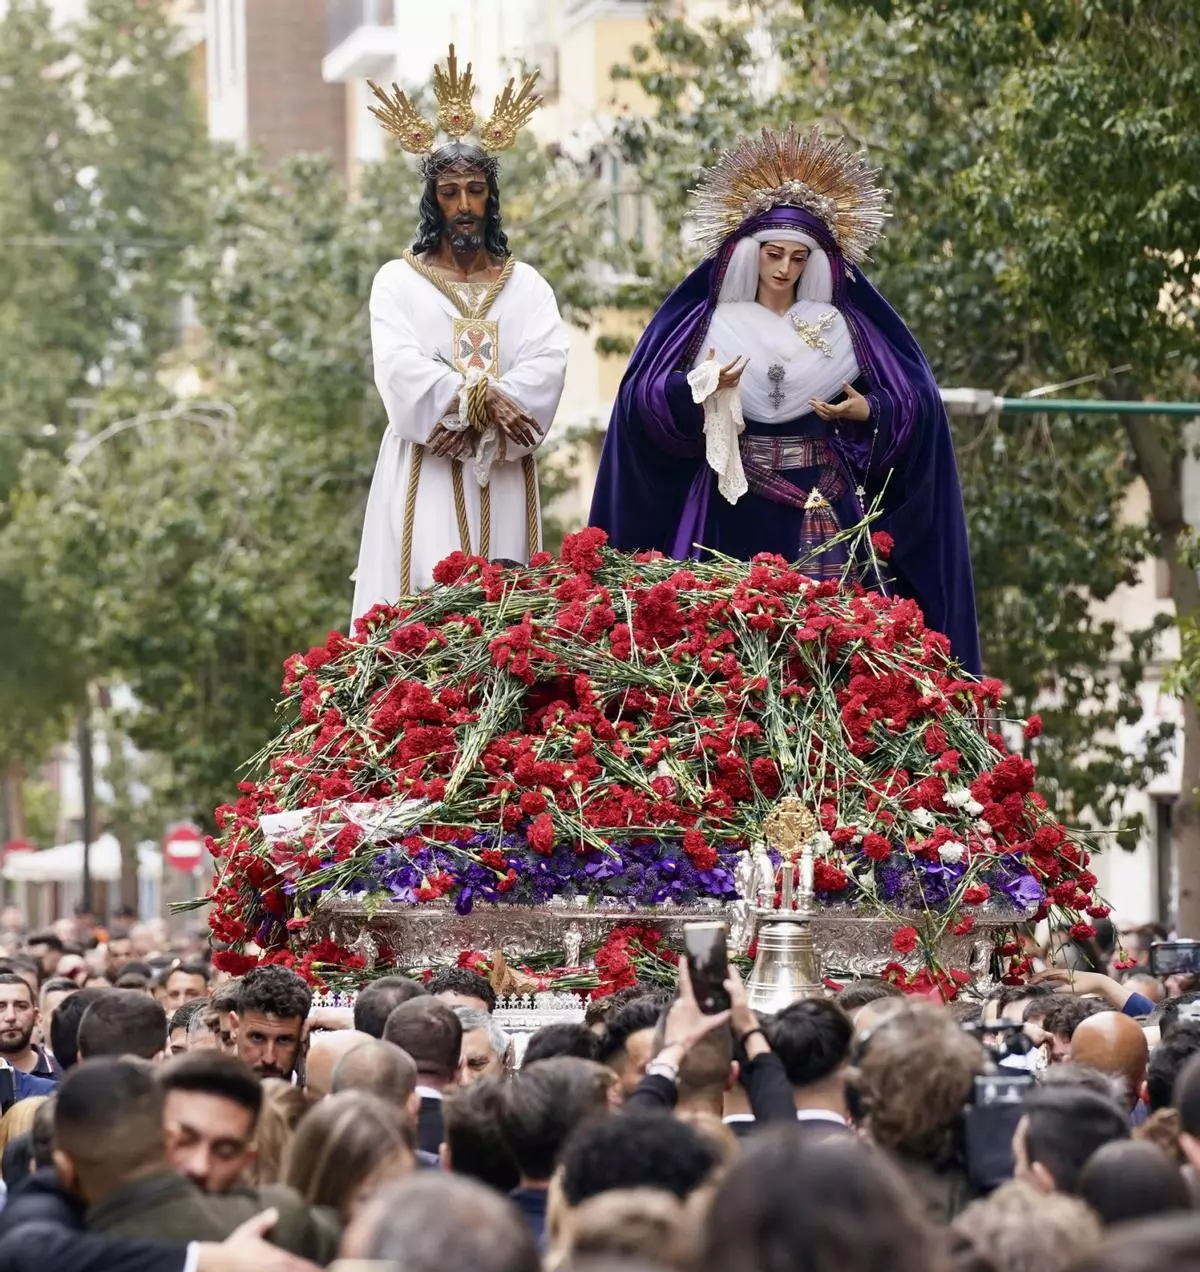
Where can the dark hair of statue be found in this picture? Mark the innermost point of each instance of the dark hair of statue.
(457, 157)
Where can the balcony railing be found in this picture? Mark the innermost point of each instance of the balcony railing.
(344, 17)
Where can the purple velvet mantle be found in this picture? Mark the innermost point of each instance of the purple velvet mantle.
(653, 488)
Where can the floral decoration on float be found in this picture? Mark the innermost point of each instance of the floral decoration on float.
(600, 737)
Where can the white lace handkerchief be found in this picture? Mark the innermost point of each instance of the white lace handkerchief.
(723, 425)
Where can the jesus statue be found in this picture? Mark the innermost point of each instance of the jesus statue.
(469, 354)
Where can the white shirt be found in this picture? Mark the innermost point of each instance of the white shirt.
(429, 1093)
(820, 1115)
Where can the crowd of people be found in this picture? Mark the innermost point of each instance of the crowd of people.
(162, 1117)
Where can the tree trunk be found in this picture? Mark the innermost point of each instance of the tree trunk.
(13, 779)
(1153, 446)
(123, 815)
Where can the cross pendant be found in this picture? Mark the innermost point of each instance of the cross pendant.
(775, 374)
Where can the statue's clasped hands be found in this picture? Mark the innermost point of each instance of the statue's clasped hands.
(514, 423)
(855, 407)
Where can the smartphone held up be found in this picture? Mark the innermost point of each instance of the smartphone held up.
(707, 953)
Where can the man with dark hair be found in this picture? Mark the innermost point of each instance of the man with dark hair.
(48, 949)
(1167, 1061)
(1178, 1011)
(19, 1019)
(64, 1024)
(442, 1223)
(543, 1105)
(852, 998)
(432, 1035)
(183, 983)
(211, 1104)
(1060, 1129)
(627, 1043)
(1010, 1002)
(636, 1150)
(179, 1028)
(812, 1039)
(1064, 1014)
(123, 1022)
(53, 992)
(376, 1002)
(481, 387)
(110, 1152)
(461, 987)
(566, 1039)
(474, 1144)
(273, 1004)
(223, 1002)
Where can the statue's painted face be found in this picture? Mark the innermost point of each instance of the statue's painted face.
(462, 197)
(780, 266)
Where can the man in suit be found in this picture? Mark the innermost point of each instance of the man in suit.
(432, 1035)
(110, 1152)
(813, 1037)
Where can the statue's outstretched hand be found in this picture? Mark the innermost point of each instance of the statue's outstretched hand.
(731, 372)
(513, 422)
(855, 407)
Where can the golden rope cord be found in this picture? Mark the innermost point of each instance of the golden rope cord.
(410, 512)
(447, 288)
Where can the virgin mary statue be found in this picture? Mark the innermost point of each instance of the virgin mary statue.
(775, 395)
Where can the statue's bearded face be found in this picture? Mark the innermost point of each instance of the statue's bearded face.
(462, 197)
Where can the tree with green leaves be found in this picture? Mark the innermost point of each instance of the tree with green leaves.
(206, 537)
(98, 133)
(1044, 497)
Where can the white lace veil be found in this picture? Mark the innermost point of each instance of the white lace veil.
(741, 277)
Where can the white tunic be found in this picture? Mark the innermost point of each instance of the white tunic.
(412, 329)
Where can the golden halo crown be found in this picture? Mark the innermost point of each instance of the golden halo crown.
(817, 173)
(456, 111)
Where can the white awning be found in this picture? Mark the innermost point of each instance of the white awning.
(64, 862)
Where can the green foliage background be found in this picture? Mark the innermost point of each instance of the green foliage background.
(1043, 159)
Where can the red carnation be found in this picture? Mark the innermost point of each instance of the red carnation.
(876, 847)
(541, 835)
(449, 571)
(977, 894)
(827, 878)
(582, 551)
(1082, 931)
(904, 941)
(533, 803)
(1033, 727)
(883, 543)
(701, 854)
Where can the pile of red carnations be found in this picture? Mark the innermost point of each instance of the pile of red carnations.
(616, 728)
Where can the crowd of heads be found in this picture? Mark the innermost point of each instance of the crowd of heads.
(1047, 1127)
